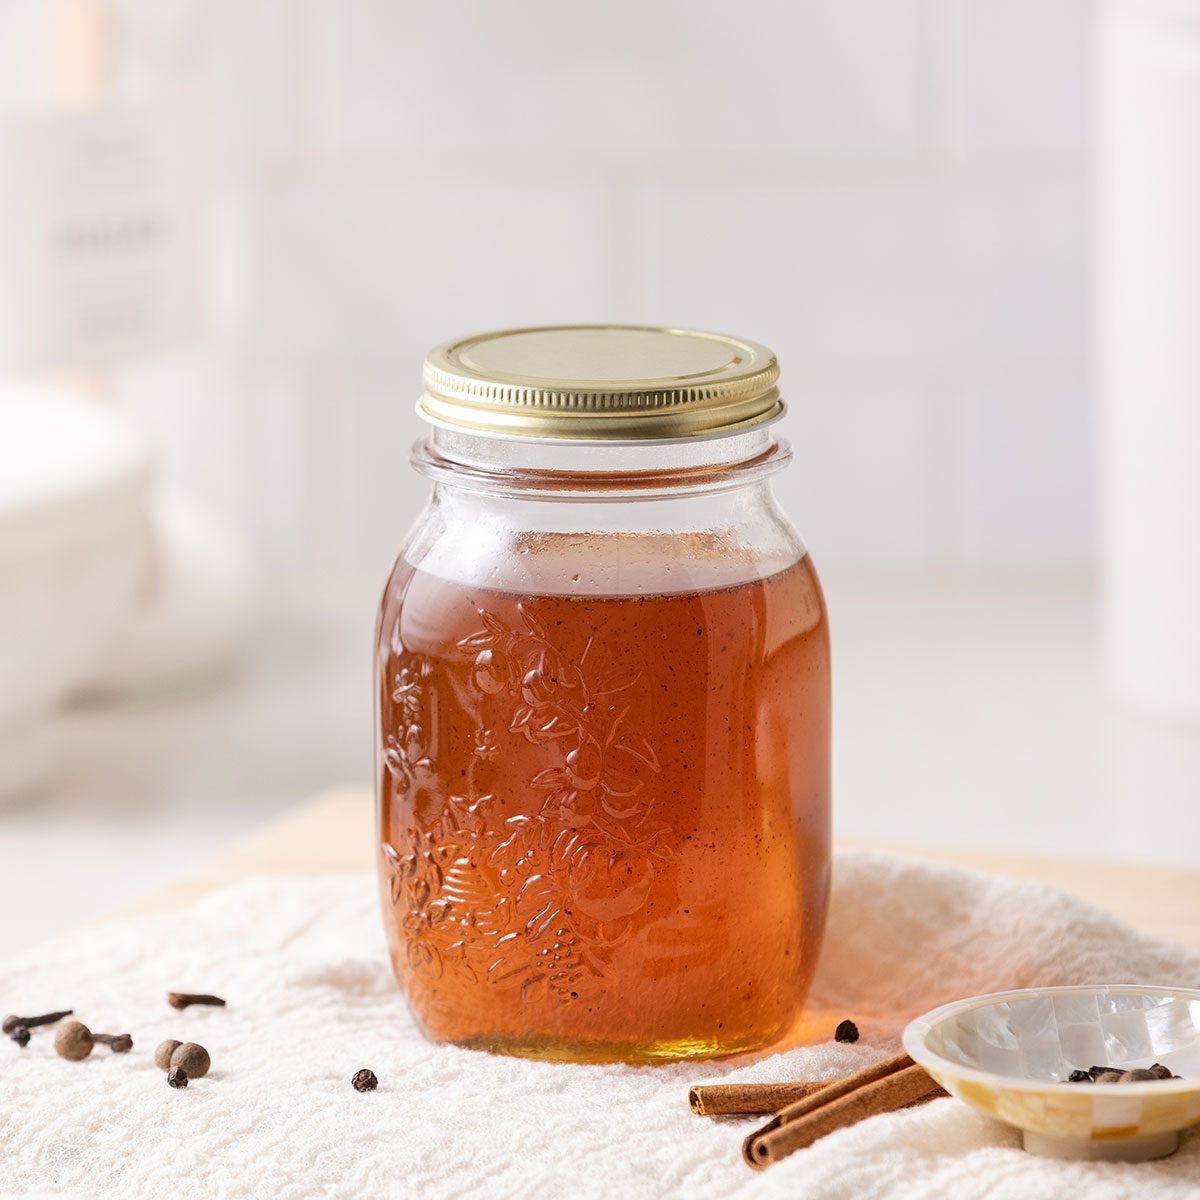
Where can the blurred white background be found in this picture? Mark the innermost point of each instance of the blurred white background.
(895, 195)
(892, 194)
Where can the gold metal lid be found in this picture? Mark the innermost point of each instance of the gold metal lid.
(600, 382)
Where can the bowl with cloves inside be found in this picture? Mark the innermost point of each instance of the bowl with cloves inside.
(1100, 1072)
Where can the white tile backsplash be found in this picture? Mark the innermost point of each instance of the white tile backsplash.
(891, 193)
(260, 94)
(1018, 258)
(837, 276)
(382, 268)
(1023, 449)
(1025, 66)
(862, 486)
(674, 78)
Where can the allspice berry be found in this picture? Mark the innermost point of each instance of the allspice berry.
(191, 1058)
(177, 1077)
(73, 1041)
(162, 1055)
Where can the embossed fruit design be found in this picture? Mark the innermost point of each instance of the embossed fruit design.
(583, 766)
(491, 672)
(539, 686)
(609, 885)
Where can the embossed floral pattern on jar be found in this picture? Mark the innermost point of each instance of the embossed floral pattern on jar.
(554, 890)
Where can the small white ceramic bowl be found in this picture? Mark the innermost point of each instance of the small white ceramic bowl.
(73, 551)
(1007, 1054)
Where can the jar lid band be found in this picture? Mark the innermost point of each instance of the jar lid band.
(600, 383)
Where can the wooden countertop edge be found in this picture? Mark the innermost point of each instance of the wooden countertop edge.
(331, 834)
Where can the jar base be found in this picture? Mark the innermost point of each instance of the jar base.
(643, 1053)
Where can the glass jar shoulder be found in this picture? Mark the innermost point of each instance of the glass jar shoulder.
(682, 545)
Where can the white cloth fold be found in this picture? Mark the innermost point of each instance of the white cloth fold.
(312, 999)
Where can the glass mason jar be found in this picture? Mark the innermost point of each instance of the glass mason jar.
(603, 704)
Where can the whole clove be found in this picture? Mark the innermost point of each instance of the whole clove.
(1138, 1075)
(846, 1031)
(364, 1081)
(13, 1023)
(177, 1077)
(1103, 1074)
(74, 1041)
(182, 1000)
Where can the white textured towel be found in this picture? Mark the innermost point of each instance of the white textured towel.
(302, 964)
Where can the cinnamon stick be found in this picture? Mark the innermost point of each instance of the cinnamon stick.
(747, 1099)
(839, 1087)
(890, 1085)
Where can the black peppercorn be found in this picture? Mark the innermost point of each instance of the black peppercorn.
(177, 1077)
(364, 1081)
(1079, 1077)
(21, 1035)
(847, 1031)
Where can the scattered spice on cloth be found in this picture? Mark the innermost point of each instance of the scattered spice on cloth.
(306, 961)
